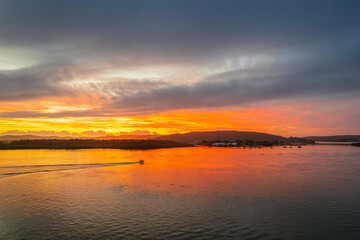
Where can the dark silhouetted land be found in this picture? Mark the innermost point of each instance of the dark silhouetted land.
(91, 143)
(356, 144)
(221, 135)
(336, 138)
(242, 138)
(238, 136)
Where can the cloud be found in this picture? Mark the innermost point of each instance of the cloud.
(311, 76)
(227, 53)
(34, 82)
(305, 78)
(169, 31)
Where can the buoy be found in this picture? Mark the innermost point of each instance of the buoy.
(141, 161)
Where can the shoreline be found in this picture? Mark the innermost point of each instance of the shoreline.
(76, 144)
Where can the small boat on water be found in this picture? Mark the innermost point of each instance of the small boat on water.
(141, 161)
(284, 146)
(299, 146)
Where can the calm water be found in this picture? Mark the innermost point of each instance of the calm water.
(188, 193)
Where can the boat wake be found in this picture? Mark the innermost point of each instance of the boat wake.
(7, 171)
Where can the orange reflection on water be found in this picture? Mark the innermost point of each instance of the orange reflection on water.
(252, 172)
(194, 188)
(200, 170)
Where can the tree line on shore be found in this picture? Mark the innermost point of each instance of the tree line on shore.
(91, 143)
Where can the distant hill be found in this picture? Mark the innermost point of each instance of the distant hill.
(36, 137)
(27, 137)
(191, 137)
(337, 138)
(127, 137)
(222, 135)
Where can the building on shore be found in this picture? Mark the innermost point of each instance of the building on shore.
(224, 144)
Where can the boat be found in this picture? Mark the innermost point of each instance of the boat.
(141, 161)
(299, 146)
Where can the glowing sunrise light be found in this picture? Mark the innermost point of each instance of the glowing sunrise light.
(139, 73)
(178, 73)
(179, 119)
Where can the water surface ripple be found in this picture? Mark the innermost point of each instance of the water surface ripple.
(187, 193)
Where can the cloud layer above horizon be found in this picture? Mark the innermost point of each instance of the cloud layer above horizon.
(68, 59)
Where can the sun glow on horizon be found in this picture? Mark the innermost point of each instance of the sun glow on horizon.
(269, 120)
(179, 68)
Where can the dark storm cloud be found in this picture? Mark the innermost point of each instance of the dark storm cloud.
(314, 47)
(173, 29)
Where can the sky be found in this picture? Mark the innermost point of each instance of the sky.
(160, 67)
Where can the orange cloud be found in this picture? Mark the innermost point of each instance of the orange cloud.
(288, 120)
